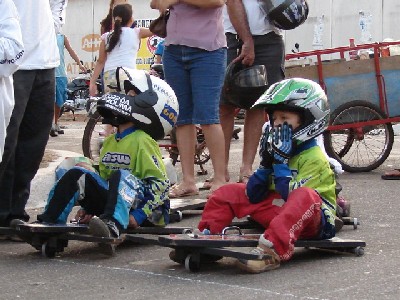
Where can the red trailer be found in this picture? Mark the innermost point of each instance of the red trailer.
(364, 97)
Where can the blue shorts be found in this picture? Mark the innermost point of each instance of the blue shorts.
(61, 90)
(196, 76)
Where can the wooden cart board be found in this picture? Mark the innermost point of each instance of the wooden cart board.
(194, 249)
(51, 239)
(181, 207)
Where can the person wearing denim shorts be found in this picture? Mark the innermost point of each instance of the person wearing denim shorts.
(252, 39)
(194, 62)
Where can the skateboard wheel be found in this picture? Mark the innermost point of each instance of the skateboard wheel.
(359, 251)
(355, 223)
(192, 264)
(48, 251)
(180, 215)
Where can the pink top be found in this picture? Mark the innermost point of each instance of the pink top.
(196, 27)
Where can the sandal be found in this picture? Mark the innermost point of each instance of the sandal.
(392, 175)
(244, 178)
(178, 192)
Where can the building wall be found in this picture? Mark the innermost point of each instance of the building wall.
(330, 24)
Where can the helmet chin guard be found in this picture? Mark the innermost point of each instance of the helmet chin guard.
(154, 107)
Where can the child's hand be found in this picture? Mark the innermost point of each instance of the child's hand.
(282, 144)
(265, 152)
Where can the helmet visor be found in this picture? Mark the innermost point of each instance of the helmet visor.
(255, 76)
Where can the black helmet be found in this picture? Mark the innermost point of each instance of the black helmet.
(243, 85)
(286, 14)
(154, 108)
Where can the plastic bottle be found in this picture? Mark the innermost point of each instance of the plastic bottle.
(353, 53)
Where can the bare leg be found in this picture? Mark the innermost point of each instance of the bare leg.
(186, 139)
(227, 118)
(253, 123)
(214, 138)
(56, 113)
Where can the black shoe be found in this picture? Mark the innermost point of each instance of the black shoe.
(58, 129)
(53, 131)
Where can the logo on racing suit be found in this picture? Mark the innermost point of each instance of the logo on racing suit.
(116, 158)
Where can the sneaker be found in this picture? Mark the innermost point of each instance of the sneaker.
(16, 222)
(270, 262)
(58, 129)
(104, 228)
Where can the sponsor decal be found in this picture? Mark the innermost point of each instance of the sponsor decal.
(116, 158)
(169, 114)
(91, 42)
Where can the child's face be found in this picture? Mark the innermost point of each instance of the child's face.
(290, 117)
(131, 93)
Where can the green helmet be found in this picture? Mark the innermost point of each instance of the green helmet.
(298, 95)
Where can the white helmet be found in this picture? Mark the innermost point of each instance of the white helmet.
(154, 108)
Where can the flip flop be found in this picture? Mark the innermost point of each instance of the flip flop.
(178, 192)
(395, 175)
(206, 185)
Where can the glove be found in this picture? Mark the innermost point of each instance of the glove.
(265, 152)
(282, 144)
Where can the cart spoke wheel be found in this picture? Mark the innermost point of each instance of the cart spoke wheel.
(363, 148)
(92, 140)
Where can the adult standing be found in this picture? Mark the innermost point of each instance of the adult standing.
(253, 40)
(194, 62)
(11, 52)
(34, 90)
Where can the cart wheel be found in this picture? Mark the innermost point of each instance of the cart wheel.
(359, 251)
(359, 149)
(355, 223)
(48, 251)
(192, 263)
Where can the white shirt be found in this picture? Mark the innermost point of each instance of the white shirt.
(125, 52)
(38, 34)
(11, 53)
(258, 21)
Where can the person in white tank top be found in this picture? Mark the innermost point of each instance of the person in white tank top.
(118, 48)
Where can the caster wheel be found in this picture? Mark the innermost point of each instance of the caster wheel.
(48, 251)
(355, 223)
(180, 215)
(359, 251)
(192, 264)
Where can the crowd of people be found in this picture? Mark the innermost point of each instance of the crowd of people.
(217, 57)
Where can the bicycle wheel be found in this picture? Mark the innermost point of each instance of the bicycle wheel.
(359, 149)
(92, 140)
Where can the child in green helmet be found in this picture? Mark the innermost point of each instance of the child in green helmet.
(292, 193)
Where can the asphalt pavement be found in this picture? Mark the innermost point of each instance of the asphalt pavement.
(146, 272)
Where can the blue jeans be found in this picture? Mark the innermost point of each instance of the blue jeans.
(196, 76)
